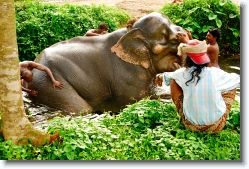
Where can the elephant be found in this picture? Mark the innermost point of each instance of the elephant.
(110, 71)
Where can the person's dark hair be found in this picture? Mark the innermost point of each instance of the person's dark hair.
(215, 32)
(197, 70)
(103, 25)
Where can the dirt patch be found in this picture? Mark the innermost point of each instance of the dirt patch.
(142, 7)
(136, 8)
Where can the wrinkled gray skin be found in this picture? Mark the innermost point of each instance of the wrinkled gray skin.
(109, 71)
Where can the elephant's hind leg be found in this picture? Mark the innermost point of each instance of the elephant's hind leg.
(66, 99)
(73, 103)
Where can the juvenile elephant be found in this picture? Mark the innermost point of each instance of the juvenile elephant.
(109, 71)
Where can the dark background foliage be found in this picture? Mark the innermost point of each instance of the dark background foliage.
(39, 25)
(200, 15)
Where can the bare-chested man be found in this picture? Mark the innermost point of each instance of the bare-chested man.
(212, 37)
(26, 68)
(102, 29)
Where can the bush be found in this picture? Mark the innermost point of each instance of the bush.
(200, 15)
(39, 25)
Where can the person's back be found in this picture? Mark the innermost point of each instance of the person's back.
(213, 50)
(203, 102)
(203, 95)
(25, 65)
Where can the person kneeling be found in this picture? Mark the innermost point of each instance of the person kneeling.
(203, 95)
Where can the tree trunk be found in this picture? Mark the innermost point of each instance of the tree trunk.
(15, 124)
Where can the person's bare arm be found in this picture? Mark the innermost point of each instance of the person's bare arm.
(49, 73)
(31, 92)
(91, 33)
(213, 55)
(104, 32)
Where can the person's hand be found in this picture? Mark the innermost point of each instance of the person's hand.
(58, 84)
(33, 93)
(182, 37)
(158, 80)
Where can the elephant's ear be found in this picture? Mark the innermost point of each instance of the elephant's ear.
(133, 48)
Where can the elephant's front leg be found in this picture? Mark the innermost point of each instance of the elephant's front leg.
(71, 101)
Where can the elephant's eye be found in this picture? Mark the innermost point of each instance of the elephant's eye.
(176, 29)
(174, 42)
(165, 37)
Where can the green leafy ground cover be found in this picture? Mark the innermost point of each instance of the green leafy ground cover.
(146, 130)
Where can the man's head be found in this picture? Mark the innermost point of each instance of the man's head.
(27, 76)
(103, 26)
(213, 33)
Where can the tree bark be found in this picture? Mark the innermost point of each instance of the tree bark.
(15, 124)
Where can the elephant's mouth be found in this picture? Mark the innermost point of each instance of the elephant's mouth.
(173, 66)
(176, 65)
(177, 60)
(168, 63)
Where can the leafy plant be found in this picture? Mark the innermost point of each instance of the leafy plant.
(141, 116)
(233, 121)
(200, 15)
(146, 130)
